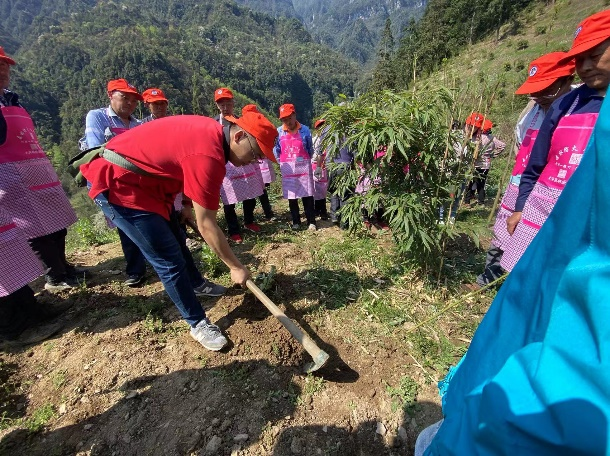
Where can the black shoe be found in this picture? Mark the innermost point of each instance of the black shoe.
(134, 280)
(61, 285)
(323, 216)
(334, 220)
(76, 272)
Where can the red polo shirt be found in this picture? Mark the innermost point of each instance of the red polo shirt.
(187, 154)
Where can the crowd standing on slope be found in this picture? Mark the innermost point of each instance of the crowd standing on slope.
(123, 161)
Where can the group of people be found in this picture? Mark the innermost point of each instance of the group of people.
(534, 378)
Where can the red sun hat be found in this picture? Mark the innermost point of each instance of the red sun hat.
(286, 110)
(123, 86)
(590, 32)
(476, 119)
(318, 123)
(221, 93)
(153, 94)
(259, 127)
(5, 57)
(545, 70)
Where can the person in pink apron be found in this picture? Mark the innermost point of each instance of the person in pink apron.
(30, 190)
(320, 173)
(364, 185)
(103, 124)
(294, 150)
(548, 79)
(241, 183)
(562, 138)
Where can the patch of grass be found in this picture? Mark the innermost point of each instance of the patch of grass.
(203, 361)
(211, 263)
(237, 375)
(153, 324)
(143, 306)
(404, 395)
(59, 379)
(40, 418)
(88, 231)
(337, 288)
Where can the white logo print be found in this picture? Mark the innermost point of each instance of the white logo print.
(533, 70)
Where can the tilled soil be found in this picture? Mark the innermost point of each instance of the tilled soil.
(121, 382)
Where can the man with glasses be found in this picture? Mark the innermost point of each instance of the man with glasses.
(100, 126)
(563, 136)
(159, 160)
(548, 79)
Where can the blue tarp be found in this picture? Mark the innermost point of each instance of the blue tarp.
(536, 378)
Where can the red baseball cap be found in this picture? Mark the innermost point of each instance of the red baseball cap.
(253, 122)
(5, 57)
(591, 32)
(476, 119)
(318, 123)
(286, 110)
(487, 125)
(153, 94)
(221, 93)
(123, 86)
(545, 70)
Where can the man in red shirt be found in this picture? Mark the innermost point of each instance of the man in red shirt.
(158, 160)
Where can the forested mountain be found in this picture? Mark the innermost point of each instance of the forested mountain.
(353, 27)
(67, 50)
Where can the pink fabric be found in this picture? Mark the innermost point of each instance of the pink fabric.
(320, 186)
(18, 265)
(295, 166)
(567, 147)
(241, 183)
(267, 171)
(30, 190)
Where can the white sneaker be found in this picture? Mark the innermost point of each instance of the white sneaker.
(208, 335)
(451, 220)
(441, 222)
(312, 227)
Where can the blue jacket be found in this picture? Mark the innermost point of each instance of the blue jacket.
(305, 138)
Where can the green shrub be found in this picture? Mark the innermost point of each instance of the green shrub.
(507, 66)
(522, 44)
(211, 263)
(540, 30)
(88, 231)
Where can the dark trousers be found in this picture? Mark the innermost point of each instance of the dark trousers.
(320, 207)
(376, 215)
(231, 217)
(264, 199)
(51, 251)
(493, 270)
(308, 207)
(136, 264)
(17, 310)
(338, 199)
(477, 186)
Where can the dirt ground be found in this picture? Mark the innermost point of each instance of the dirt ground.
(118, 381)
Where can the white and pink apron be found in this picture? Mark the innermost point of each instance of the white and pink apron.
(30, 190)
(295, 166)
(320, 185)
(241, 183)
(18, 264)
(267, 170)
(567, 147)
(509, 200)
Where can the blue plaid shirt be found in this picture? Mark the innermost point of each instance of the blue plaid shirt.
(99, 124)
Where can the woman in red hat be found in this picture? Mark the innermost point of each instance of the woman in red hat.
(548, 79)
(562, 138)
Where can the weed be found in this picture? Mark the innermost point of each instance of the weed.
(87, 232)
(238, 375)
(152, 324)
(143, 305)
(313, 385)
(211, 263)
(48, 346)
(59, 379)
(404, 395)
(203, 361)
(40, 418)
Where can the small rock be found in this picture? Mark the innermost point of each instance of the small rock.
(296, 447)
(381, 429)
(325, 428)
(88, 427)
(402, 434)
(240, 438)
(215, 421)
(62, 409)
(131, 394)
(85, 400)
(226, 424)
(213, 445)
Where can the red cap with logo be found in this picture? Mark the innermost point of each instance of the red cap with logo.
(5, 57)
(318, 123)
(123, 86)
(590, 32)
(153, 94)
(253, 122)
(477, 119)
(545, 70)
(221, 93)
(286, 110)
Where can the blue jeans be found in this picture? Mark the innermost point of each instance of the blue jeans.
(136, 265)
(161, 244)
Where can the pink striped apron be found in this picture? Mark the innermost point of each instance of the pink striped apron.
(295, 166)
(320, 185)
(241, 183)
(507, 206)
(567, 147)
(267, 170)
(18, 265)
(30, 190)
